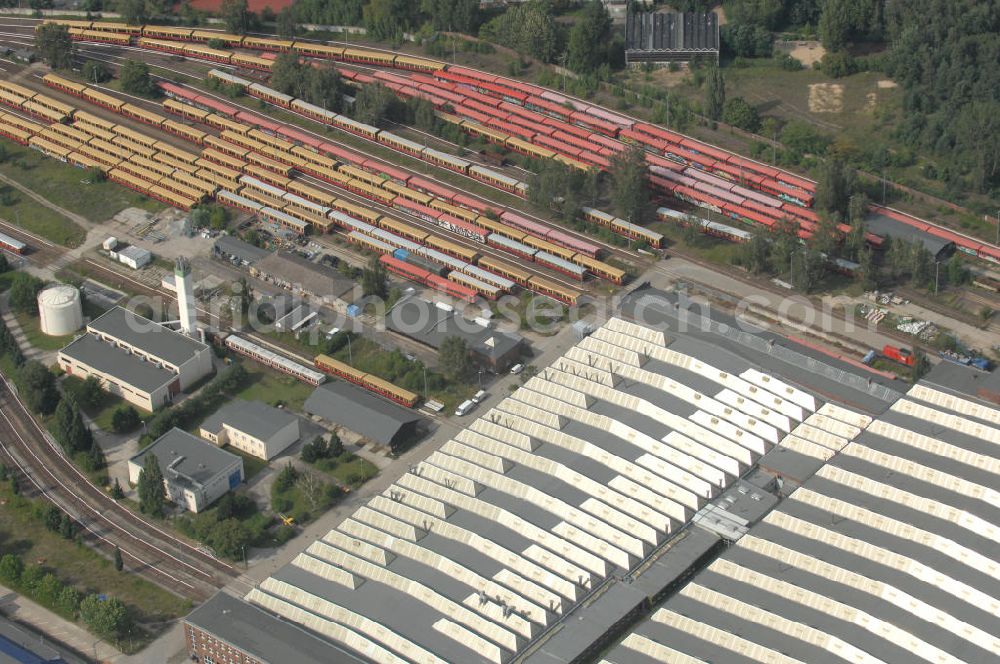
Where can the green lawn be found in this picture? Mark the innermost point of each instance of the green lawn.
(102, 414)
(348, 469)
(31, 326)
(64, 185)
(36, 218)
(251, 465)
(23, 534)
(273, 388)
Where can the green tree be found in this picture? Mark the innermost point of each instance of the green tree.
(584, 52)
(715, 93)
(315, 450)
(741, 114)
(336, 446)
(125, 418)
(826, 238)
(920, 367)
(453, 359)
(11, 569)
(867, 270)
(377, 105)
(528, 28)
(152, 493)
(387, 19)
(135, 78)
(54, 46)
(38, 387)
(106, 617)
(808, 268)
(630, 185)
(237, 15)
(119, 563)
(374, 279)
(67, 530)
(230, 538)
(68, 601)
(754, 254)
(90, 395)
(95, 72)
(24, 289)
(4, 264)
(956, 272)
(767, 14)
(285, 24)
(451, 15)
(134, 12)
(837, 183)
(116, 490)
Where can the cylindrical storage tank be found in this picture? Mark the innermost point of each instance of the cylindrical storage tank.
(60, 310)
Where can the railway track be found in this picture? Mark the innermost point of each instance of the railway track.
(146, 549)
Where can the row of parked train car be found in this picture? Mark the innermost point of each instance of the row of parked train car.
(150, 166)
(125, 34)
(235, 169)
(530, 125)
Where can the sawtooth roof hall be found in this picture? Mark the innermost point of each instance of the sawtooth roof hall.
(584, 476)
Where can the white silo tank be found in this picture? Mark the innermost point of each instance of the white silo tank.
(60, 310)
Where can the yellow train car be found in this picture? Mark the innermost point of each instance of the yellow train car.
(318, 50)
(83, 117)
(64, 84)
(170, 198)
(268, 44)
(206, 187)
(167, 32)
(53, 104)
(230, 40)
(266, 163)
(554, 290)
(499, 228)
(43, 112)
(69, 23)
(188, 111)
(263, 199)
(135, 148)
(273, 141)
(453, 210)
(142, 115)
(267, 175)
(224, 159)
(17, 89)
(177, 153)
(176, 186)
(311, 193)
(24, 124)
(175, 163)
(504, 269)
(452, 249)
(119, 38)
(105, 159)
(545, 245)
(572, 163)
(372, 179)
(489, 133)
(357, 211)
(407, 193)
(222, 182)
(129, 180)
(403, 229)
(226, 147)
(70, 132)
(221, 122)
(83, 161)
(251, 61)
(417, 64)
(600, 268)
(369, 191)
(158, 167)
(60, 140)
(135, 137)
(530, 149)
(369, 57)
(122, 28)
(313, 158)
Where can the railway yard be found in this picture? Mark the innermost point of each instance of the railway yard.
(655, 474)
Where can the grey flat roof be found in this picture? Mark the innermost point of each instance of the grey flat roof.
(151, 337)
(887, 226)
(187, 458)
(265, 636)
(109, 359)
(359, 410)
(244, 251)
(422, 320)
(254, 418)
(309, 276)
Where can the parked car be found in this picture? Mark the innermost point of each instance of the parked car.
(464, 407)
(516, 369)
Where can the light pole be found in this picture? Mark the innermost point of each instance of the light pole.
(937, 267)
(350, 355)
(425, 381)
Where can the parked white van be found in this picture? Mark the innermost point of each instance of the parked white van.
(464, 407)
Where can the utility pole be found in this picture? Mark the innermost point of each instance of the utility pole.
(350, 355)
(425, 382)
(937, 267)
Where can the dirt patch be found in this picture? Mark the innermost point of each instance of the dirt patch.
(807, 52)
(886, 84)
(665, 78)
(721, 14)
(826, 98)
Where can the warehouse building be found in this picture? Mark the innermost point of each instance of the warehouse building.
(237, 251)
(136, 358)
(195, 473)
(364, 413)
(659, 38)
(887, 553)
(582, 480)
(429, 325)
(252, 427)
(304, 278)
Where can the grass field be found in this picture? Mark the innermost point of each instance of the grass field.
(251, 465)
(23, 534)
(273, 388)
(349, 470)
(31, 326)
(102, 413)
(36, 218)
(64, 185)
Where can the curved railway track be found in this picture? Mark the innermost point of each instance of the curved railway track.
(147, 550)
